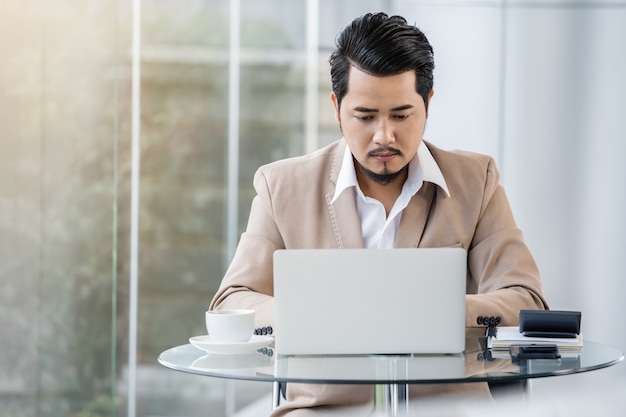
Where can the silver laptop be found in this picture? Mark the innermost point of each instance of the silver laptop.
(368, 301)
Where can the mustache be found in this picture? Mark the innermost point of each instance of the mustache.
(384, 150)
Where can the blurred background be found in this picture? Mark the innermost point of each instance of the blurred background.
(91, 292)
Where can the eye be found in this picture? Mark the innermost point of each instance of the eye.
(365, 118)
(401, 116)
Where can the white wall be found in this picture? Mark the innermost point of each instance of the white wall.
(541, 86)
(564, 132)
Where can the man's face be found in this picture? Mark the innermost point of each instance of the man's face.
(382, 120)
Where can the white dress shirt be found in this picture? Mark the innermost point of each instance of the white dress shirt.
(379, 230)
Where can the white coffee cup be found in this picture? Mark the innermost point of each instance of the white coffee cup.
(230, 326)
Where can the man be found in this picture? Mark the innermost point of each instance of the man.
(382, 186)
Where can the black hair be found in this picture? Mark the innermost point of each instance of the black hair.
(381, 45)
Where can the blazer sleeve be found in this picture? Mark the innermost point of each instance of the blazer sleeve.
(503, 277)
(248, 282)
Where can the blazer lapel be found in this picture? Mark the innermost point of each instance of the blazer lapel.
(414, 217)
(343, 213)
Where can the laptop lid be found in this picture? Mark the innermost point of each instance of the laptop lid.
(368, 301)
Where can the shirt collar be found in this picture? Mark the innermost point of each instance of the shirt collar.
(430, 171)
(422, 167)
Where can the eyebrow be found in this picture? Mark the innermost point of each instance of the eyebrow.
(367, 110)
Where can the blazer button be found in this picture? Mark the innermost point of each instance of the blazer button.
(257, 332)
(480, 320)
(270, 330)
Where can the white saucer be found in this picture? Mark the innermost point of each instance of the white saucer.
(255, 343)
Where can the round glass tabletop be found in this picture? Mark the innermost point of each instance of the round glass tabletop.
(476, 364)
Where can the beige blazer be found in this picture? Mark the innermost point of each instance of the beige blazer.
(292, 210)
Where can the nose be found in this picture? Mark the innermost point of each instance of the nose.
(383, 134)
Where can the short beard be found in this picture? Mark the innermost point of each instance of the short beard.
(386, 178)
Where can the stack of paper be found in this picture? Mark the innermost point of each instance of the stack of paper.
(510, 335)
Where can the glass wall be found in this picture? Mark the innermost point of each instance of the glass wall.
(186, 205)
(63, 84)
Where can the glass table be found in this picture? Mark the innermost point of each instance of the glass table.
(389, 374)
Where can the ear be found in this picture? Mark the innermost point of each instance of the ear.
(333, 98)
